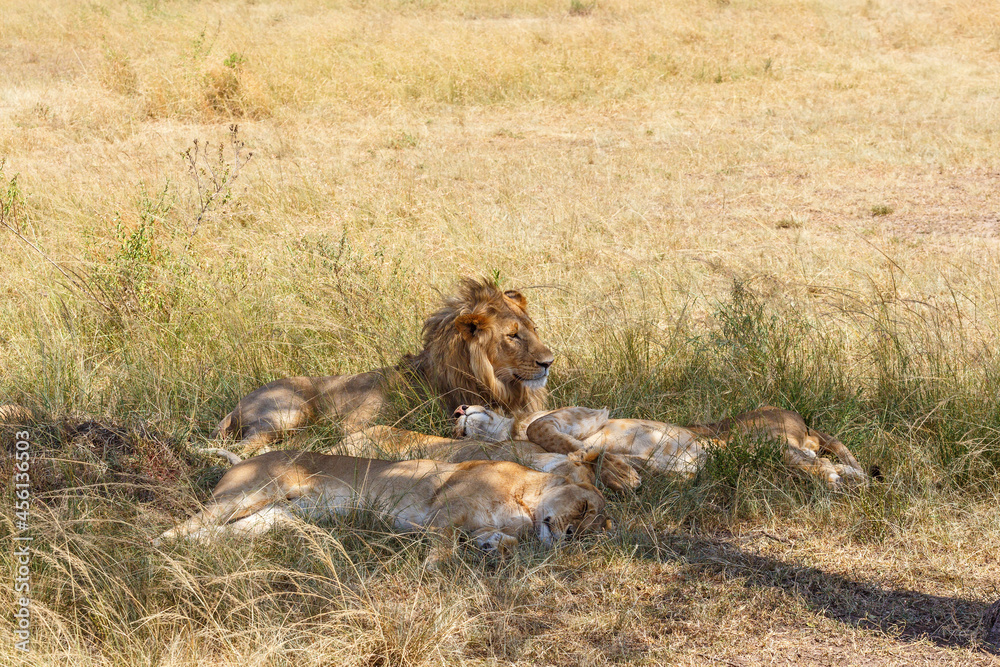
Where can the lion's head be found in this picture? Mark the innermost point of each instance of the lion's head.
(570, 509)
(480, 423)
(481, 347)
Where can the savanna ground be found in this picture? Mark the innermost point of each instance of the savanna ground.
(710, 205)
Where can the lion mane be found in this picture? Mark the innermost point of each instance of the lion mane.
(466, 359)
(479, 347)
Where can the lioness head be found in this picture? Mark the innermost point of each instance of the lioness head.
(480, 423)
(570, 509)
(482, 347)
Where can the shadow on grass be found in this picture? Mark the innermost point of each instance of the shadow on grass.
(908, 615)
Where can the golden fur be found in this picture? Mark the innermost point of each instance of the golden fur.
(667, 448)
(613, 471)
(806, 449)
(480, 346)
(495, 501)
(483, 343)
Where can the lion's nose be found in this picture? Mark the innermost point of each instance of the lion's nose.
(544, 364)
(460, 410)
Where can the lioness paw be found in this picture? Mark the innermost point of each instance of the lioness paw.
(586, 455)
(851, 475)
(438, 557)
(496, 542)
(618, 475)
(615, 471)
(834, 482)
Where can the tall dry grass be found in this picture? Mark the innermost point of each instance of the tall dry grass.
(710, 205)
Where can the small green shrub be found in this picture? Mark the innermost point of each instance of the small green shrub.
(127, 274)
(403, 140)
(746, 478)
(12, 209)
(881, 513)
(233, 60)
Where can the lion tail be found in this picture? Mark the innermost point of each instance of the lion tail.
(224, 453)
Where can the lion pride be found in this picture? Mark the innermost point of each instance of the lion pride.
(667, 448)
(479, 347)
(496, 502)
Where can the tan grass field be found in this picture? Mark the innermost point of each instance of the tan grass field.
(710, 204)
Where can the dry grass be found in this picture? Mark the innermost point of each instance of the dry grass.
(717, 204)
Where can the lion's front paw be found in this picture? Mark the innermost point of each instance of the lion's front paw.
(851, 476)
(618, 475)
(496, 542)
(439, 556)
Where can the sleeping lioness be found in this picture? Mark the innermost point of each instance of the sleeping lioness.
(668, 448)
(495, 501)
(613, 471)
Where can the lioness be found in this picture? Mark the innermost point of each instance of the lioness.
(495, 501)
(480, 346)
(584, 467)
(665, 447)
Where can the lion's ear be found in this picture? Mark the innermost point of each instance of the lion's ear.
(517, 298)
(469, 324)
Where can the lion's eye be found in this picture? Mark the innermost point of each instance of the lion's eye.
(513, 335)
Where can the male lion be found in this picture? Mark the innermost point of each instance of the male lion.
(495, 501)
(665, 447)
(479, 346)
